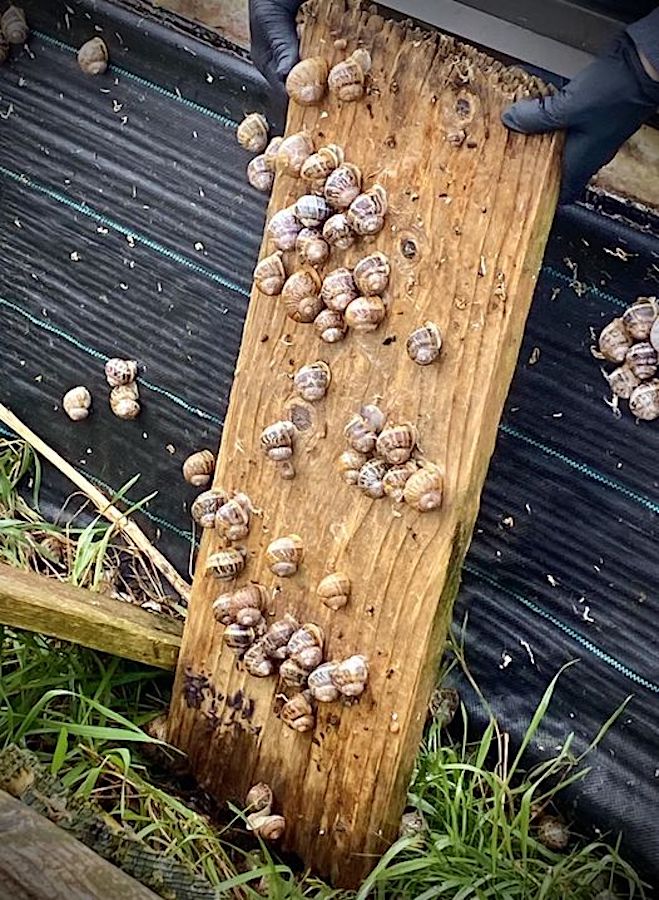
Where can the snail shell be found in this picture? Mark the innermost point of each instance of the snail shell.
(423, 489)
(318, 166)
(366, 213)
(622, 381)
(256, 661)
(260, 174)
(306, 82)
(233, 517)
(205, 507)
(120, 371)
(346, 79)
(411, 824)
(259, 799)
(293, 673)
(371, 274)
(364, 314)
(360, 435)
(4, 48)
(334, 590)
(396, 478)
(614, 342)
(312, 381)
(14, 26)
(373, 416)
(271, 151)
(277, 440)
(321, 685)
(338, 289)
(239, 637)
(278, 635)
(77, 403)
(198, 468)
(124, 401)
(312, 210)
(330, 326)
(227, 563)
(297, 713)
(311, 246)
(350, 462)
(283, 228)
(640, 317)
(293, 151)
(351, 676)
(284, 555)
(642, 360)
(306, 637)
(553, 833)
(370, 478)
(396, 443)
(338, 232)
(269, 828)
(301, 295)
(222, 608)
(93, 57)
(424, 343)
(248, 603)
(343, 185)
(252, 133)
(270, 274)
(644, 401)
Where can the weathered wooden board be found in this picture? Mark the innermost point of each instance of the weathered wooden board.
(465, 233)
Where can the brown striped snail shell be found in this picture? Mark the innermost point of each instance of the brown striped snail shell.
(639, 318)
(319, 165)
(293, 151)
(233, 517)
(373, 416)
(553, 833)
(285, 554)
(338, 232)
(239, 637)
(371, 273)
(312, 381)
(366, 212)
(311, 247)
(424, 344)
(360, 435)
(343, 185)
(252, 133)
(278, 635)
(259, 799)
(120, 371)
(312, 210)
(396, 478)
(424, 489)
(338, 289)
(365, 314)
(283, 228)
(412, 823)
(270, 274)
(334, 590)
(248, 603)
(271, 151)
(644, 400)
(642, 360)
(4, 48)
(622, 381)
(14, 25)
(396, 443)
(227, 563)
(307, 636)
(223, 609)
(77, 403)
(370, 478)
(277, 440)
(260, 174)
(268, 828)
(301, 295)
(124, 401)
(293, 673)
(198, 468)
(205, 507)
(350, 462)
(330, 326)
(351, 676)
(321, 685)
(256, 661)
(346, 79)
(297, 712)
(306, 82)
(614, 342)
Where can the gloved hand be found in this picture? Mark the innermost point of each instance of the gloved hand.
(274, 39)
(600, 108)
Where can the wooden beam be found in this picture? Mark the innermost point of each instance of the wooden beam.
(467, 224)
(42, 604)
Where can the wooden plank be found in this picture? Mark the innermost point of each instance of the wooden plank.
(42, 604)
(465, 232)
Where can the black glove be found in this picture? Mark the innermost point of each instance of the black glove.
(274, 38)
(600, 108)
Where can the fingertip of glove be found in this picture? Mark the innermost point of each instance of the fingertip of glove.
(516, 117)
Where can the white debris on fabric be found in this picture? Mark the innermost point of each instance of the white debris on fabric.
(74, 256)
(506, 660)
(527, 647)
(535, 356)
(553, 581)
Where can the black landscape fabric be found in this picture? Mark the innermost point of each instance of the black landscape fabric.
(127, 228)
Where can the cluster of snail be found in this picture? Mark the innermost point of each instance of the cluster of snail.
(381, 461)
(121, 375)
(13, 30)
(260, 819)
(632, 342)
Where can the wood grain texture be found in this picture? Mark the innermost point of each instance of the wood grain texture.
(478, 215)
(42, 604)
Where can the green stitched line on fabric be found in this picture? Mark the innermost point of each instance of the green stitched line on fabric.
(575, 635)
(569, 280)
(152, 85)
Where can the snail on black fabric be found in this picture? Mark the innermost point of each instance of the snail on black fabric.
(252, 133)
(77, 403)
(14, 25)
(93, 57)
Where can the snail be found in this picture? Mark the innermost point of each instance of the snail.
(424, 488)
(277, 440)
(424, 343)
(283, 228)
(334, 590)
(644, 400)
(312, 210)
(350, 462)
(411, 824)
(293, 151)
(614, 342)
(371, 274)
(321, 685)
(373, 416)
(319, 165)
(306, 82)
(198, 468)
(366, 212)
(642, 360)
(278, 635)
(306, 646)
(343, 185)
(370, 478)
(271, 151)
(269, 828)
(346, 78)
(312, 381)
(360, 434)
(364, 314)
(252, 133)
(311, 247)
(622, 381)
(270, 274)
(301, 295)
(284, 555)
(4, 48)
(443, 705)
(260, 174)
(239, 637)
(227, 563)
(14, 26)
(205, 507)
(293, 673)
(244, 605)
(396, 478)
(338, 289)
(338, 232)
(330, 326)
(120, 371)
(553, 833)
(259, 799)
(124, 401)
(396, 443)
(233, 517)
(256, 661)
(297, 712)
(93, 57)
(639, 318)
(351, 676)
(77, 403)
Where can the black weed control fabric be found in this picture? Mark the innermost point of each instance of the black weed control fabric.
(127, 227)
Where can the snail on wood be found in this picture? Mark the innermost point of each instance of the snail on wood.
(227, 563)
(205, 507)
(285, 554)
(293, 152)
(297, 712)
(77, 403)
(268, 828)
(93, 57)
(365, 314)
(424, 344)
(277, 440)
(396, 443)
(343, 185)
(311, 247)
(307, 81)
(338, 232)
(306, 646)
(239, 637)
(244, 605)
(270, 274)
(334, 590)
(252, 133)
(301, 295)
(373, 416)
(360, 434)
(366, 212)
(614, 341)
(321, 684)
(124, 401)
(14, 25)
(639, 318)
(259, 799)
(312, 381)
(319, 165)
(233, 517)
(370, 478)
(644, 400)
(198, 468)
(283, 228)
(350, 462)
(371, 273)
(351, 676)
(396, 478)
(424, 488)
(312, 210)
(622, 381)
(271, 151)
(642, 360)
(278, 635)
(293, 673)
(346, 78)
(553, 833)
(338, 289)
(257, 662)
(330, 326)
(120, 371)
(260, 173)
